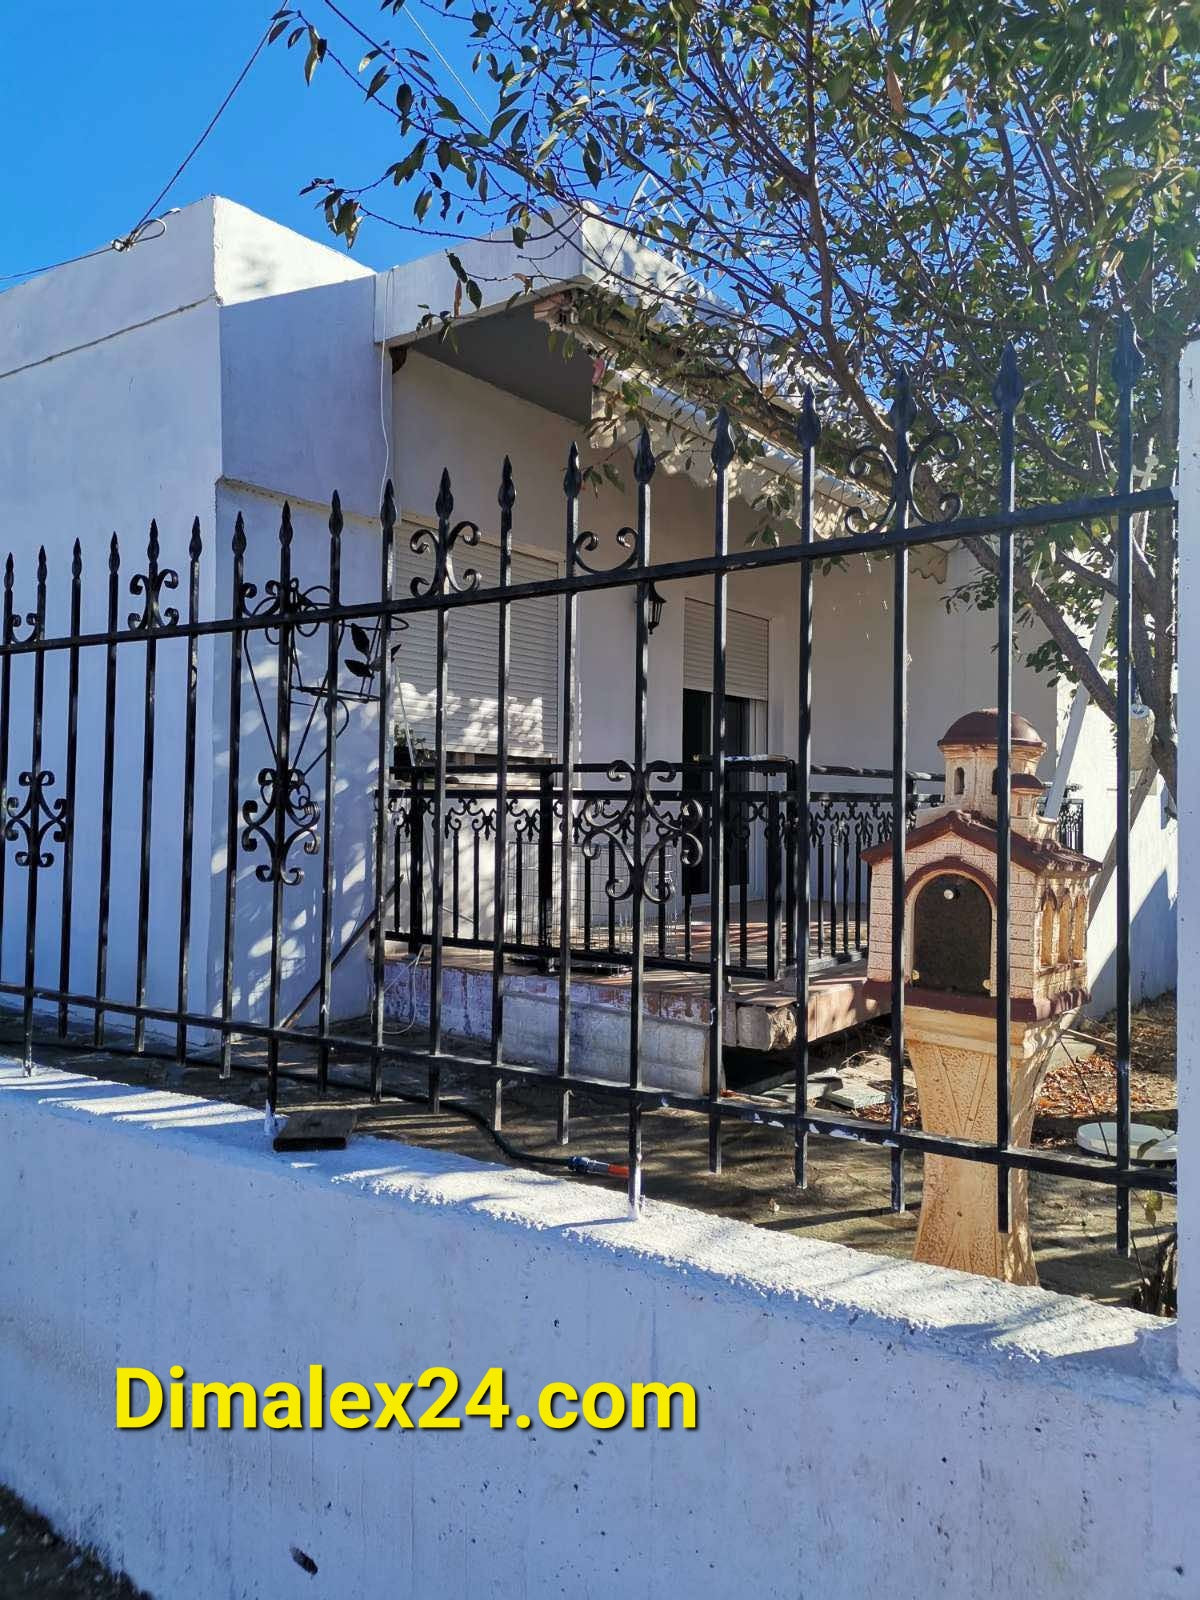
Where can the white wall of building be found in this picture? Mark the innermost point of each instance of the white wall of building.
(1188, 1041)
(862, 1421)
(123, 396)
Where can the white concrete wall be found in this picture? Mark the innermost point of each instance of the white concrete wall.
(109, 415)
(122, 397)
(1188, 1043)
(1153, 869)
(864, 1424)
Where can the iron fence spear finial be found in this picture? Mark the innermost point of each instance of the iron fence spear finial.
(808, 428)
(572, 478)
(1009, 385)
(507, 496)
(722, 450)
(643, 462)
(1128, 362)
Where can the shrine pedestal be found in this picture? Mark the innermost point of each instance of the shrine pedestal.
(953, 1055)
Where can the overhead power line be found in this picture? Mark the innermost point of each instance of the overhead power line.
(137, 234)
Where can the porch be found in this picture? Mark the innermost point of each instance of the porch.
(758, 931)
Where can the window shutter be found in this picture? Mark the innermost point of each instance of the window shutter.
(747, 652)
(471, 639)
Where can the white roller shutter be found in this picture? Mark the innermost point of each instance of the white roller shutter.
(471, 705)
(747, 651)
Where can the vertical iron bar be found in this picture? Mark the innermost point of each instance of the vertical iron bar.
(545, 865)
(283, 772)
(444, 506)
(455, 868)
(416, 861)
(147, 813)
(332, 668)
(68, 870)
(643, 471)
(722, 455)
(572, 484)
(9, 632)
(506, 500)
(808, 437)
(232, 809)
(1126, 368)
(189, 790)
(387, 558)
(1007, 394)
(902, 415)
(109, 774)
(774, 882)
(35, 802)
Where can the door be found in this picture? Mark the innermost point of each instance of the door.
(697, 748)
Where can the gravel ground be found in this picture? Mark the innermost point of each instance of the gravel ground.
(34, 1561)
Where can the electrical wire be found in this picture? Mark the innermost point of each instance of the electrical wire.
(137, 234)
(213, 120)
(585, 1166)
(127, 242)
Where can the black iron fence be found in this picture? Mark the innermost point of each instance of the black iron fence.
(222, 801)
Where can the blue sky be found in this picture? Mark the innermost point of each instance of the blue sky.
(99, 105)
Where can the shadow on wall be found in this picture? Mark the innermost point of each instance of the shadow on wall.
(1154, 888)
(1152, 951)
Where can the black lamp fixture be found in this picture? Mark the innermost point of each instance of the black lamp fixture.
(657, 602)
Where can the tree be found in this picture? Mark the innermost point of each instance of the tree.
(857, 186)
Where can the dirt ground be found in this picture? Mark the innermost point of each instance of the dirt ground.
(847, 1197)
(35, 1562)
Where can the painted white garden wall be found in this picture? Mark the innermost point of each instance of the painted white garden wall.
(862, 1421)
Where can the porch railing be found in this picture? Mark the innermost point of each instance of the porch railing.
(760, 913)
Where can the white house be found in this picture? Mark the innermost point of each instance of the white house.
(229, 365)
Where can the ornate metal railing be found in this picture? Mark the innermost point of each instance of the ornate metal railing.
(759, 921)
(760, 910)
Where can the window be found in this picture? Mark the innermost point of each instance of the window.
(1064, 930)
(1079, 928)
(747, 651)
(471, 652)
(1046, 933)
(960, 781)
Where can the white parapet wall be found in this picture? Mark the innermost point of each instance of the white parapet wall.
(865, 1426)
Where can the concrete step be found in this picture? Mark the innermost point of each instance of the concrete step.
(676, 1013)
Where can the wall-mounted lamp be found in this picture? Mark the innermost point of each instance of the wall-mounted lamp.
(657, 602)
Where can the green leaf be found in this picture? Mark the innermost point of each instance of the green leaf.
(1120, 181)
(1066, 258)
(316, 54)
(838, 86)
